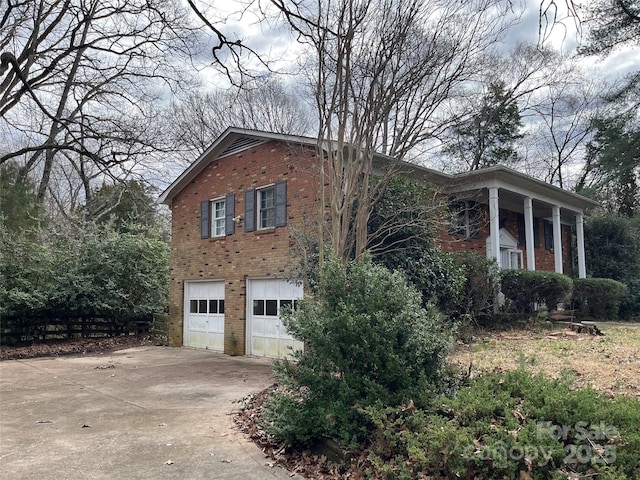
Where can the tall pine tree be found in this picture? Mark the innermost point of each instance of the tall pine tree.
(488, 136)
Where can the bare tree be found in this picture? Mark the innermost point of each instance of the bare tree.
(382, 71)
(611, 23)
(488, 118)
(562, 131)
(80, 79)
(197, 118)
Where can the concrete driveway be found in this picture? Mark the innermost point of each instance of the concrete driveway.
(140, 413)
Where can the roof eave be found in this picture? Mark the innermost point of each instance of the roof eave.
(216, 148)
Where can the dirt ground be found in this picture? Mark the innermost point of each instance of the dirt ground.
(609, 363)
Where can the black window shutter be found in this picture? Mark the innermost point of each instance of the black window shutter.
(281, 204)
(536, 233)
(250, 210)
(548, 235)
(230, 212)
(205, 223)
(522, 237)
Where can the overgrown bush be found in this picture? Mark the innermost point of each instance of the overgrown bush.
(438, 277)
(480, 288)
(612, 246)
(369, 342)
(88, 272)
(598, 298)
(523, 289)
(512, 425)
(630, 305)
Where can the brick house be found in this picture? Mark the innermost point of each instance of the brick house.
(236, 208)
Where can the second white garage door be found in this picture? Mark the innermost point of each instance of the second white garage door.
(266, 298)
(204, 315)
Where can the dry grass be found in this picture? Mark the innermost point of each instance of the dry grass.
(609, 363)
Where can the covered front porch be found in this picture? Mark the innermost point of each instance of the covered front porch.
(527, 223)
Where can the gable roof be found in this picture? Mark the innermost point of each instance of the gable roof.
(234, 140)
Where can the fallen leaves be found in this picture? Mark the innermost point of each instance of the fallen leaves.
(589, 360)
(76, 346)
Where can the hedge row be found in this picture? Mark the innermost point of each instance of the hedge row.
(592, 298)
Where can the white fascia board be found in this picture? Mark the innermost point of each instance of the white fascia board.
(537, 190)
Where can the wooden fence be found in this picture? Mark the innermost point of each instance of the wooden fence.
(159, 329)
(16, 331)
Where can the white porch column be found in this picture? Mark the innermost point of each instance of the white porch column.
(494, 224)
(528, 231)
(557, 238)
(582, 269)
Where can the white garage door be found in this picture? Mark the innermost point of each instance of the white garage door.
(204, 315)
(267, 336)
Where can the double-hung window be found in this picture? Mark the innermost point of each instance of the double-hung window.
(265, 207)
(216, 217)
(466, 219)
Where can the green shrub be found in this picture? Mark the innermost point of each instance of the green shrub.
(598, 298)
(630, 305)
(505, 424)
(612, 243)
(523, 289)
(85, 271)
(368, 342)
(436, 274)
(481, 286)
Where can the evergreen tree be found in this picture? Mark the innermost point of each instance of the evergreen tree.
(611, 24)
(124, 204)
(612, 167)
(20, 211)
(488, 136)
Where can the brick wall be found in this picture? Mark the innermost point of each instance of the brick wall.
(235, 257)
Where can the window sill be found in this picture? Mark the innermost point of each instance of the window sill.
(216, 239)
(265, 231)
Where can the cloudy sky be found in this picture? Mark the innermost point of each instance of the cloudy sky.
(276, 42)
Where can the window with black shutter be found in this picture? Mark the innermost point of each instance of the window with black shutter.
(250, 210)
(230, 212)
(266, 207)
(548, 235)
(522, 237)
(216, 217)
(205, 209)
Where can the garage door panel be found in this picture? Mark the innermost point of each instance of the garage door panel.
(290, 345)
(267, 335)
(257, 344)
(272, 327)
(216, 324)
(272, 347)
(272, 289)
(204, 315)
